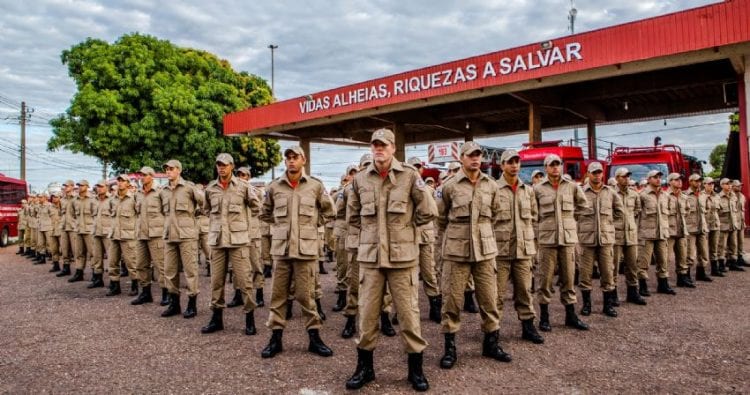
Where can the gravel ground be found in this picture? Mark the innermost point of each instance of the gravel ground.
(63, 338)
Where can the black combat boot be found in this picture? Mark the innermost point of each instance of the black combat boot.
(236, 300)
(114, 288)
(65, 270)
(415, 375)
(164, 297)
(78, 276)
(615, 298)
(55, 267)
(250, 324)
(733, 266)
(274, 345)
(364, 373)
(544, 325)
(643, 287)
(217, 322)
(29, 252)
(572, 320)
(663, 287)
(319, 307)
(715, 272)
(684, 281)
(634, 297)
(289, 304)
(267, 270)
(608, 307)
(491, 347)
(316, 345)
(722, 266)
(700, 274)
(259, 298)
(340, 301)
(595, 275)
(174, 307)
(191, 310)
(385, 325)
(124, 269)
(449, 357)
(40, 259)
(469, 305)
(436, 304)
(528, 332)
(144, 297)
(586, 308)
(97, 281)
(20, 251)
(350, 328)
(133, 288)
(322, 268)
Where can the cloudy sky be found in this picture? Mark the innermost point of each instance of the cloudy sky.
(322, 45)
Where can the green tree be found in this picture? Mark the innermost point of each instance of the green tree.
(142, 101)
(716, 159)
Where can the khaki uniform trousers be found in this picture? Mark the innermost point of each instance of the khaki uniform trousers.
(32, 237)
(549, 259)
(404, 286)
(205, 248)
(22, 235)
(353, 282)
(427, 270)
(68, 246)
(265, 250)
(603, 255)
(697, 250)
(53, 243)
(101, 245)
(678, 246)
(256, 266)
(518, 271)
(632, 270)
(657, 248)
(455, 277)
(185, 254)
(125, 250)
(302, 273)
(740, 243)
(242, 279)
(41, 242)
(713, 244)
(728, 245)
(341, 264)
(149, 257)
(84, 249)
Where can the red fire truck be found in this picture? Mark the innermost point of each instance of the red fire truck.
(533, 154)
(12, 191)
(666, 158)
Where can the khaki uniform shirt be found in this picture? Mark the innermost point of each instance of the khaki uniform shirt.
(22, 218)
(557, 208)
(295, 214)
(180, 205)
(468, 213)
(31, 220)
(596, 225)
(626, 228)
(677, 210)
(653, 222)
(352, 232)
(727, 211)
(426, 232)
(45, 214)
(514, 229)
(148, 206)
(230, 211)
(387, 211)
(57, 220)
(340, 226)
(740, 210)
(85, 212)
(712, 211)
(695, 213)
(68, 213)
(123, 217)
(103, 220)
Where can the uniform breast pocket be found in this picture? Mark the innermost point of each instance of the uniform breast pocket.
(215, 205)
(307, 206)
(397, 202)
(281, 207)
(546, 205)
(182, 206)
(567, 203)
(367, 200)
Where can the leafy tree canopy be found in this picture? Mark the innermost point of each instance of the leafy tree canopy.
(142, 101)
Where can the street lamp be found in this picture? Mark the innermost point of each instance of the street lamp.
(273, 91)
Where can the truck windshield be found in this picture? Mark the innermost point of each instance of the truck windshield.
(640, 170)
(527, 168)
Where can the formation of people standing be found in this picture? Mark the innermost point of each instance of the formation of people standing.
(387, 228)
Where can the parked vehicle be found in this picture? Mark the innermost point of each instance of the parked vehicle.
(665, 158)
(12, 191)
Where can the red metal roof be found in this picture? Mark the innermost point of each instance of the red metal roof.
(711, 26)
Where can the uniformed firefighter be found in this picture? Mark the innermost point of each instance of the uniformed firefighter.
(596, 236)
(516, 244)
(741, 207)
(149, 247)
(230, 202)
(697, 227)
(85, 209)
(295, 204)
(559, 199)
(54, 238)
(102, 230)
(730, 223)
(388, 201)
(339, 233)
(653, 232)
(181, 201)
(22, 224)
(712, 222)
(678, 233)
(626, 236)
(44, 219)
(123, 237)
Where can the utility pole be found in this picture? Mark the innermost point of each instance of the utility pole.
(23, 140)
(273, 90)
(104, 170)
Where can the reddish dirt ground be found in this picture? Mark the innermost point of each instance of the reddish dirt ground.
(63, 338)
